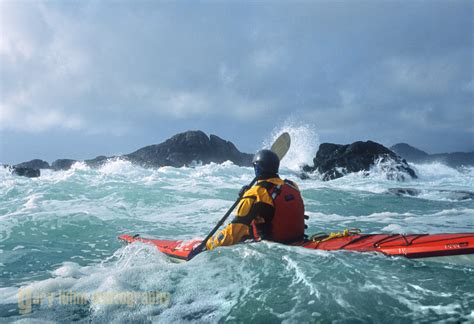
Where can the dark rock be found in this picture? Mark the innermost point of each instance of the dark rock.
(404, 191)
(98, 161)
(34, 164)
(454, 160)
(333, 161)
(225, 150)
(303, 176)
(447, 194)
(184, 148)
(305, 171)
(62, 164)
(25, 172)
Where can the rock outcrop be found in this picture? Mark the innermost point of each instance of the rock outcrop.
(454, 160)
(180, 150)
(184, 148)
(24, 172)
(30, 169)
(62, 164)
(333, 161)
(34, 164)
(98, 161)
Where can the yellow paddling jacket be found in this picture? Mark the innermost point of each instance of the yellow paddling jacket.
(256, 211)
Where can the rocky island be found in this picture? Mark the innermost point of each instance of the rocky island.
(333, 161)
(180, 150)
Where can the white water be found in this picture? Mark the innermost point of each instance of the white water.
(58, 234)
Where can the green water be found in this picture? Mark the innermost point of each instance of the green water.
(58, 234)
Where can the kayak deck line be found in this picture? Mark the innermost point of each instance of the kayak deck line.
(396, 236)
(360, 238)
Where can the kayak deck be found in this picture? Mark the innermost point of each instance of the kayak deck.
(413, 246)
(410, 245)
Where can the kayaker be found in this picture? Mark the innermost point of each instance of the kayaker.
(272, 209)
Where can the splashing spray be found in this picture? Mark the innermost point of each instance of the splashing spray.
(304, 143)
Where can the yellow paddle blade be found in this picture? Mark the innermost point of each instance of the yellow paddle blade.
(282, 145)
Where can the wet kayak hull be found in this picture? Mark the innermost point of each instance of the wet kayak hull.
(414, 246)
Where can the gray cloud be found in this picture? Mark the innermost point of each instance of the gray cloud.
(387, 71)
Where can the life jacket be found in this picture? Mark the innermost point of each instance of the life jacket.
(287, 224)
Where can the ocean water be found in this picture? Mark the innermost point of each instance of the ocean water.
(60, 259)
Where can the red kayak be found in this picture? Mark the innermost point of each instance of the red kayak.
(410, 245)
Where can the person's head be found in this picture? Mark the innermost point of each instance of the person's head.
(266, 164)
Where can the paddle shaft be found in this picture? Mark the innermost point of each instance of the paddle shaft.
(201, 246)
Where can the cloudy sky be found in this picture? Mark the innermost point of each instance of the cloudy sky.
(83, 78)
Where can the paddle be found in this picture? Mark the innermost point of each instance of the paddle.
(280, 148)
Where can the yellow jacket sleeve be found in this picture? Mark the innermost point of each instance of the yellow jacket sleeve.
(239, 229)
(231, 234)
